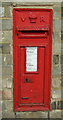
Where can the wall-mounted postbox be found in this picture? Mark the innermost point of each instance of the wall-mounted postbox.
(32, 43)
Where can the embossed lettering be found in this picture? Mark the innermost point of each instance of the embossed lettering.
(42, 19)
(23, 19)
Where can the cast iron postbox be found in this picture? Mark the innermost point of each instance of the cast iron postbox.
(32, 43)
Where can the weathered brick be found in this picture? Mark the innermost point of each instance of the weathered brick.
(8, 104)
(62, 36)
(4, 83)
(55, 59)
(33, 3)
(60, 105)
(56, 93)
(61, 60)
(53, 105)
(56, 26)
(0, 36)
(57, 47)
(0, 81)
(61, 10)
(9, 83)
(57, 9)
(8, 11)
(6, 3)
(62, 24)
(1, 115)
(62, 81)
(2, 11)
(6, 48)
(7, 69)
(56, 82)
(62, 69)
(62, 114)
(0, 69)
(0, 24)
(62, 45)
(56, 70)
(0, 4)
(56, 37)
(6, 24)
(7, 37)
(62, 92)
(37, 114)
(6, 76)
(0, 59)
(0, 94)
(1, 105)
(0, 48)
(7, 59)
(7, 114)
(55, 114)
(62, 48)
(7, 94)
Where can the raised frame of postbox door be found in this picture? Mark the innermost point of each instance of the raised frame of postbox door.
(23, 56)
(16, 45)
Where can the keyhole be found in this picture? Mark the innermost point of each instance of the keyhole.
(26, 79)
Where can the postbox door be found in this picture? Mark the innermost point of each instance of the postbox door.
(32, 58)
(31, 75)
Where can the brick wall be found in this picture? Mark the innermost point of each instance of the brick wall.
(6, 53)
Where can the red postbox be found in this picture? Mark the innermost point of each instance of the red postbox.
(32, 46)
